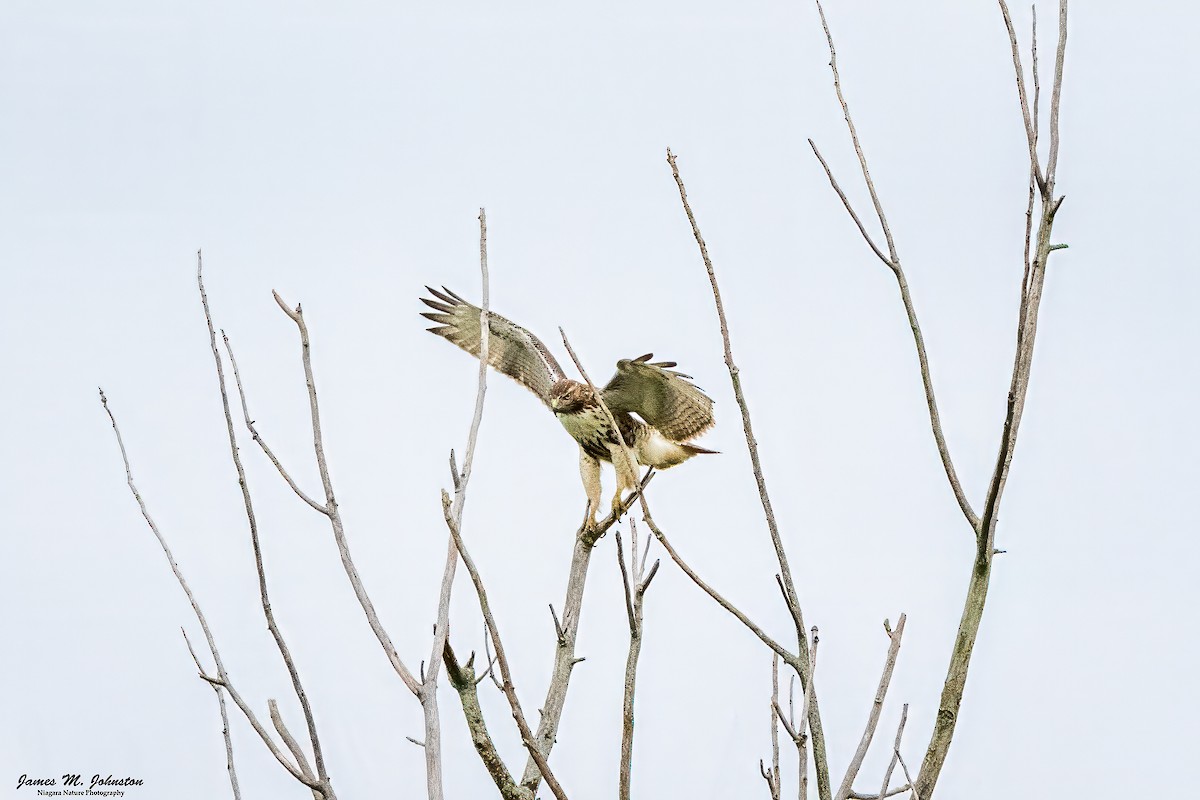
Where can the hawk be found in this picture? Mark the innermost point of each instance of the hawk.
(670, 410)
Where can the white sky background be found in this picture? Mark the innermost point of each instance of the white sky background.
(340, 157)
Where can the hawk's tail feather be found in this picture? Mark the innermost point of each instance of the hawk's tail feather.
(693, 450)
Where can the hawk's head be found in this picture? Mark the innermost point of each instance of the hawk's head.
(570, 397)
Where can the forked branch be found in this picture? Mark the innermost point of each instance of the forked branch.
(635, 581)
(222, 678)
(493, 633)
(322, 776)
(892, 261)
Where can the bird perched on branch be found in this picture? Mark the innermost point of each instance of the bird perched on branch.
(671, 408)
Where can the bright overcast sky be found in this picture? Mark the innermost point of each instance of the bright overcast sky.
(339, 153)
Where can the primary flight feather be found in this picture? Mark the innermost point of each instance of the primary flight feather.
(672, 410)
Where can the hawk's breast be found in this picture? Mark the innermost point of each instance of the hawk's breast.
(590, 429)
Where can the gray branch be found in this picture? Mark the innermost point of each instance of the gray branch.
(222, 680)
(233, 779)
(509, 690)
(322, 776)
(791, 597)
(864, 743)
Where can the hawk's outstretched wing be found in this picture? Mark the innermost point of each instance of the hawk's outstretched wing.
(511, 349)
(663, 397)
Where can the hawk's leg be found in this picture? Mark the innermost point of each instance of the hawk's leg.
(589, 471)
(627, 476)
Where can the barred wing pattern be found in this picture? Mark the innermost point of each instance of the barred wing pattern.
(511, 349)
(664, 398)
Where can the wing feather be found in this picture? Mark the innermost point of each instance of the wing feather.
(664, 398)
(511, 349)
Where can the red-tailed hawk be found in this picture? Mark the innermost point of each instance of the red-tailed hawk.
(672, 410)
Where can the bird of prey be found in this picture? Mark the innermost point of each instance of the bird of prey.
(672, 410)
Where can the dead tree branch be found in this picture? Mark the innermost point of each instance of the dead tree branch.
(885, 680)
(509, 690)
(222, 680)
(322, 777)
(465, 682)
(233, 779)
(981, 568)
(441, 628)
(892, 261)
(635, 593)
(771, 776)
(887, 775)
(330, 508)
(785, 570)
(567, 632)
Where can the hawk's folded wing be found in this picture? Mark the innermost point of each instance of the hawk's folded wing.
(511, 349)
(664, 398)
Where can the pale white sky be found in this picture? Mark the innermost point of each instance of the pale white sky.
(340, 156)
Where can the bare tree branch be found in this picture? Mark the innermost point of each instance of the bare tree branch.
(501, 660)
(893, 263)
(566, 633)
(862, 159)
(792, 598)
(441, 628)
(887, 775)
(876, 708)
(335, 518)
(233, 779)
(222, 678)
(259, 440)
(464, 681)
(290, 741)
(1030, 121)
(771, 776)
(800, 739)
(981, 568)
(635, 593)
(911, 785)
(322, 776)
(873, 796)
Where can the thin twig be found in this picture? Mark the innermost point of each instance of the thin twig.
(284, 652)
(501, 660)
(1030, 135)
(862, 159)
(911, 784)
(259, 440)
(634, 601)
(887, 775)
(233, 778)
(771, 776)
(222, 678)
(441, 628)
(892, 260)
(804, 704)
(1056, 98)
(335, 518)
(873, 796)
(876, 708)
